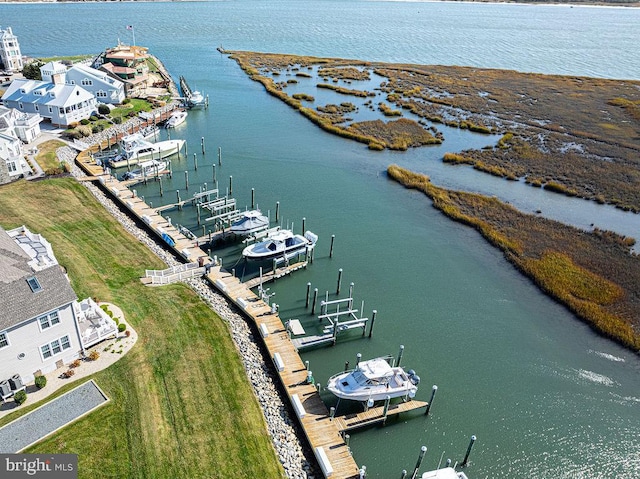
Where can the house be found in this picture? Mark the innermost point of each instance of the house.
(129, 65)
(105, 88)
(15, 129)
(10, 56)
(25, 126)
(42, 325)
(61, 104)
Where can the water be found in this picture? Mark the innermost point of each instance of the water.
(546, 397)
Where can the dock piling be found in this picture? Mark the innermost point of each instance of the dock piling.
(339, 281)
(306, 304)
(403, 474)
(277, 211)
(220, 156)
(399, 360)
(333, 237)
(161, 190)
(202, 143)
(423, 451)
(303, 222)
(373, 319)
(186, 179)
(195, 161)
(230, 185)
(346, 366)
(315, 300)
(466, 456)
(253, 198)
(387, 400)
(434, 390)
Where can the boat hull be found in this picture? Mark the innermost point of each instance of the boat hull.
(163, 149)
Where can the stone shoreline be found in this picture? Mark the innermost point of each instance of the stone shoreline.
(279, 424)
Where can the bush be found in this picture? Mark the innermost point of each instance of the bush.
(93, 355)
(93, 118)
(121, 327)
(41, 381)
(126, 101)
(127, 333)
(84, 121)
(96, 128)
(68, 374)
(84, 130)
(117, 120)
(103, 109)
(75, 364)
(20, 397)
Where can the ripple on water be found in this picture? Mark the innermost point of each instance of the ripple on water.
(596, 378)
(608, 356)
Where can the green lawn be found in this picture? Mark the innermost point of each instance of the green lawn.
(46, 157)
(181, 405)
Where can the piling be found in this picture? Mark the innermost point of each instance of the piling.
(215, 181)
(186, 179)
(306, 304)
(195, 161)
(466, 456)
(339, 281)
(198, 212)
(306, 365)
(333, 237)
(253, 198)
(277, 211)
(434, 390)
(373, 319)
(161, 190)
(202, 143)
(315, 300)
(332, 412)
(358, 358)
(423, 451)
(230, 185)
(385, 411)
(403, 474)
(220, 156)
(400, 355)
(303, 222)
(351, 286)
(346, 366)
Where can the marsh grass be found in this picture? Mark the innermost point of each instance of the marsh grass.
(593, 274)
(181, 405)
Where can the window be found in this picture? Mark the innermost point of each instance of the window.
(55, 347)
(50, 109)
(34, 284)
(101, 94)
(4, 341)
(37, 108)
(20, 106)
(49, 320)
(11, 166)
(86, 82)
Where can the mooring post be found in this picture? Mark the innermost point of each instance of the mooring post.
(333, 237)
(161, 190)
(315, 300)
(198, 212)
(306, 304)
(447, 463)
(332, 413)
(202, 142)
(215, 181)
(358, 358)
(339, 281)
(385, 411)
(362, 472)
(195, 161)
(277, 211)
(306, 365)
(434, 390)
(403, 474)
(423, 451)
(399, 360)
(220, 156)
(373, 319)
(351, 285)
(186, 179)
(253, 198)
(303, 222)
(346, 366)
(170, 169)
(230, 185)
(275, 267)
(203, 230)
(466, 456)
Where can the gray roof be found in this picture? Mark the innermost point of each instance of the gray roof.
(18, 302)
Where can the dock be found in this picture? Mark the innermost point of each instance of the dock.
(375, 415)
(188, 94)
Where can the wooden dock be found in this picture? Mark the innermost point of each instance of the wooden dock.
(273, 275)
(375, 415)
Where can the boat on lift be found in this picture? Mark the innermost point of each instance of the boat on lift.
(177, 117)
(147, 169)
(134, 149)
(197, 100)
(250, 222)
(282, 243)
(374, 380)
(444, 473)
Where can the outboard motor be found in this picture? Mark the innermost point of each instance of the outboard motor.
(415, 379)
(311, 237)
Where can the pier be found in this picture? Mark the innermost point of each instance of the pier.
(376, 415)
(190, 99)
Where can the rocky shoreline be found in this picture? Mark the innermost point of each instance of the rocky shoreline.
(278, 421)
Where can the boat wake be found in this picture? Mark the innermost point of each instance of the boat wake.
(608, 356)
(596, 378)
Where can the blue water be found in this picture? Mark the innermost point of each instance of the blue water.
(546, 397)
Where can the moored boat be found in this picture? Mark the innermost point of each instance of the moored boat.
(177, 117)
(250, 222)
(135, 149)
(374, 379)
(146, 169)
(444, 473)
(282, 243)
(197, 100)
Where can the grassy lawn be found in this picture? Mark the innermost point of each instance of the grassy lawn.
(181, 405)
(135, 105)
(46, 156)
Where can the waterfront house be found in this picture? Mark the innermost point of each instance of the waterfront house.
(128, 64)
(15, 129)
(42, 325)
(105, 88)
(10, 56)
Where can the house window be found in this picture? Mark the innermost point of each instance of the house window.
(49, 320)
(20, 106)
(11, 166)
(50, 110)
(86, 82)
(34, 284)
(55, 347)
(37, 107)
(4, 341)
(101, 94)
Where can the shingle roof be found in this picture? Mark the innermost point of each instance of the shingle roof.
(18, 302)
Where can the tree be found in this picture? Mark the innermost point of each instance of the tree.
(31, 70)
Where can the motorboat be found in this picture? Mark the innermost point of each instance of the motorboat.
(197, 100)
(444, 473)
(250, 222)
(374, 380)
(176, 118)
(149, 132)
(147, 169)
(134, 149)
(282, 243)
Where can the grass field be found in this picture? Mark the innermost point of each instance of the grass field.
(181, 405)
(46, 156)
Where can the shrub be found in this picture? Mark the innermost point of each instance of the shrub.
(122, 327)
(93, 355)
(117, 120)
(20, 397)
(75, 364)
(127, 333)
(67, 374)
(40, 381)
(103, 109)
(93, 118)
(84, 130)
(84, 121)
(96, 128)
(126, 101)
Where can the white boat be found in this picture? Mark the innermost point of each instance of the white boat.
(197, 100)
(135, 149)
(444, 473)
(176, 118)
(149, 132)
(282, 243)
(251, 221)
(374, 379)
(147, 169)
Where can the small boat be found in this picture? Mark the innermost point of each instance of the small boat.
(282, 243)
(147, 169)
(251, 221)
(176, 118)
(374, 379)
(444, 473)
(134, 149)
(197, 100)
(149, 132)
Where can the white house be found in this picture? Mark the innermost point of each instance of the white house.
(42, 326)
(10, 55)
(25, 126)
(105, 88)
